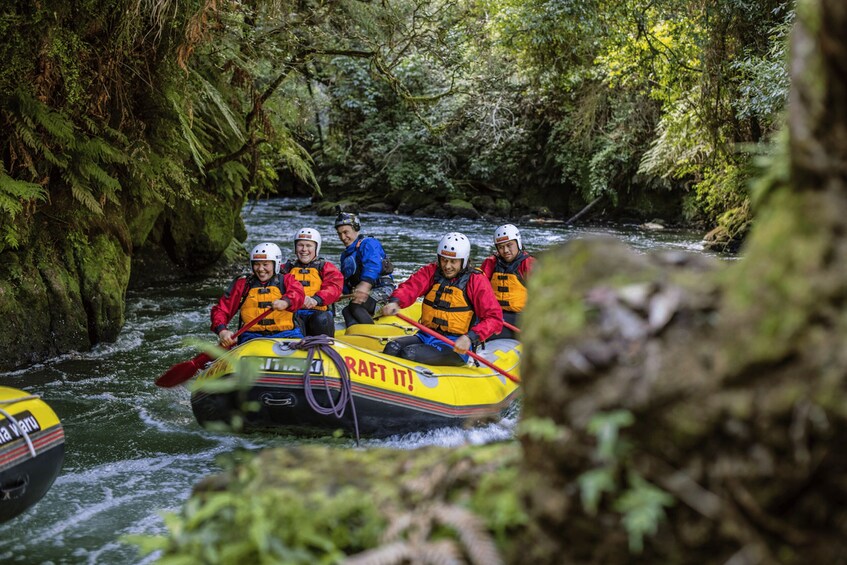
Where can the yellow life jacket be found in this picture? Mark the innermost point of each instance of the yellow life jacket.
(309, 276)
(446, 307)
(258, 299)
(509, 286)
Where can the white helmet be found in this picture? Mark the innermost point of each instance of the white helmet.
(506, 233)
(309, 234)
(267, 252)
(455, 245)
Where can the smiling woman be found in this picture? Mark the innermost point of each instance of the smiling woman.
(251, 295)
(321, 280)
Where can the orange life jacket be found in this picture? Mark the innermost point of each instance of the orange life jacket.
(508, 284)
(446, 307)
(259, 298)
(309, 276)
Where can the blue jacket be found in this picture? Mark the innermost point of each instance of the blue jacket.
(362, 261)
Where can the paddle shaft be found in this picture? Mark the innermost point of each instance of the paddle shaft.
(448, 341)
(252, 322)
(181, 372)
(512, 327)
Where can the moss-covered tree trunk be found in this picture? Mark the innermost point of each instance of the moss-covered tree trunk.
(94, 174)
(693, 414)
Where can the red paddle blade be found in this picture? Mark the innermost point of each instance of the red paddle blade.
(181, 372)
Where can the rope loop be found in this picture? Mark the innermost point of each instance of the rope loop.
(322, 344)
(21, 431)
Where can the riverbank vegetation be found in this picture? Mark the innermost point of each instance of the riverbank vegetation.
(656, 108)
(147, 123)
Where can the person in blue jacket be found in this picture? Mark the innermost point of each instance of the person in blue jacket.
(366, 269)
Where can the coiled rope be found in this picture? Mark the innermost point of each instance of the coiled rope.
(14, 422)
(323, 344)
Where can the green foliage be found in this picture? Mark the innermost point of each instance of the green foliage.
(540, 429)
(533, 99)
(763, 77)
(268, 526)
(724, 186)
(593, 484)
(643, 507)
(499, 502)
(606, 428)
(45, 139)
(640, 503)
(14, 196)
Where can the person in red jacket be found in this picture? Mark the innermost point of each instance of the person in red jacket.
(321, 280)
(250, 295)
(508, 270)
(458, 303)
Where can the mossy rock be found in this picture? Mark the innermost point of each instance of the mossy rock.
(503, 207)
(24, 307)
(330, 207)
(460, 208)
(103, 268)
(413, 201)
(196, 235)
(484, 203)
(41, 305)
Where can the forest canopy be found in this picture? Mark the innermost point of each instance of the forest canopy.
(514, 105)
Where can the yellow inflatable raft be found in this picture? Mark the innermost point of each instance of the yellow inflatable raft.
(32, 448)
(351, 385)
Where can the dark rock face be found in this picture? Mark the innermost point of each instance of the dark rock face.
(64, 289)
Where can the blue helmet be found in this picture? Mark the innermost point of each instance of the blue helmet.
(347, 219)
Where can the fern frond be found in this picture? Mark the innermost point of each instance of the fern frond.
(441, 552)
(82, 194)
(14, 192)
(214, 96)
(681, 145)
(91, 171)
(199, 153)
(297, 159)
(36, 113)
(391, 554)
(476, 540)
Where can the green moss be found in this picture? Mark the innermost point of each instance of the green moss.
(772, 294)
(24, 307)
(201, 233)
(103, 267)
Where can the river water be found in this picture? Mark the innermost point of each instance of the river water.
(134, 451)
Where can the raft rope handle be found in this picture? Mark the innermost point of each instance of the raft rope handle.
(322, 344)
(11, 418)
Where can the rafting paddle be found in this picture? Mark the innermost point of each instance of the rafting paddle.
(181, 372)
(447, 340)
(512, 327)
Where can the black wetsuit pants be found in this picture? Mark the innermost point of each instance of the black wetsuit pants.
(411, 348)
(359, 313)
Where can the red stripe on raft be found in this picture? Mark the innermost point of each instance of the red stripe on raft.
(397, 399)
(47, 439)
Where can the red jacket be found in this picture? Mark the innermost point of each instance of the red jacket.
(524, 268)
(488, 312)
(332, 283)
(229, 304)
